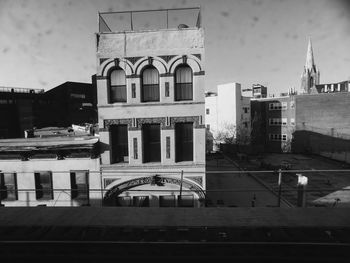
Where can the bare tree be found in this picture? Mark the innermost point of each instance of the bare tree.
(232, 134)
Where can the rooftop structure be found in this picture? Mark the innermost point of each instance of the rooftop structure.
(175, 18)
(21, 90)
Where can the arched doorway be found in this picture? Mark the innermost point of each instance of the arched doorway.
(144, 188)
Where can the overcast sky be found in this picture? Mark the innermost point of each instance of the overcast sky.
(44, 43)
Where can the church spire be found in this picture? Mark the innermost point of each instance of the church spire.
(311, 76)
(310, 63)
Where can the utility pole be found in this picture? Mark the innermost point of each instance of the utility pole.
(279, 187)
(182, 178)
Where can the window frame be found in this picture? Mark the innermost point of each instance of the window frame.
(76, 193)
(279, 137)
(184, 84)
(148, 132)
(5, 189)
(143, 86)
(110, 86)
(116, 144)
(40, 193)
(180, 143)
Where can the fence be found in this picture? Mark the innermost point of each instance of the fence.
(148, 19)
(224, 188)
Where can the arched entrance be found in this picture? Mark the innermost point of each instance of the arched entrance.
(111, 196)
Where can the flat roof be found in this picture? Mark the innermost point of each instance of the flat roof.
(24, 144)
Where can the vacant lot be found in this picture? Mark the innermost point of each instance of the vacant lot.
(325, 188)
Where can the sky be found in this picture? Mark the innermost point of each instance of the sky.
(44, 43)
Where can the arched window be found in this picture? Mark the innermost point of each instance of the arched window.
(183, 83)
(117, 91)
(150, 84)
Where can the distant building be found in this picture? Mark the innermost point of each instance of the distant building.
(273, 123)
(259, 91)
(70, 103)
(227, 111)
(150, 87)
(343, 86)
(50, 171)
(23, 109)
(19, 110)
(311, 75)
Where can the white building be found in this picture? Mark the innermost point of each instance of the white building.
(55, 171)
(150, 90)
(228, 111)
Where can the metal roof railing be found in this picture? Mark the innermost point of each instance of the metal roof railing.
(21, 90)
(149, 19)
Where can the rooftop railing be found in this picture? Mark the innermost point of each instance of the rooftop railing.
(149, 19)
(21, 90)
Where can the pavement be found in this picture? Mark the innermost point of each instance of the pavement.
(236, 189)
(325, 188)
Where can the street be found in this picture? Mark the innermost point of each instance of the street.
(235, 189)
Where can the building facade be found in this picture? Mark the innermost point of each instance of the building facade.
(228, 113)
(150, 86)
(53, 171)
(19, 110)
(70, 103)
(273, 123)
(259, 91)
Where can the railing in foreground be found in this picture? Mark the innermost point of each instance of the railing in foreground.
(230, 188)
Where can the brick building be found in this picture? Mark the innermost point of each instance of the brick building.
(273, 123)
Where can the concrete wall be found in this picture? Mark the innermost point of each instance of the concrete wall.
(324, 111)
(153, 43)
(323, 125)
(60, 180)
(228, 105)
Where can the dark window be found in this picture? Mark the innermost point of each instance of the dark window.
(185, 201)
(79, 185)
(141, 201)
(150, 84)
(8, 186)
(124, 201)
(167, 147)
(117, 91)
(208, 126)
(166, 89)
(133, 90)
(184, 142)
(151, 142)
(183, 83)
(207, 111)
(43, 185)
(135, 148)
(167, 201)
(119, 142)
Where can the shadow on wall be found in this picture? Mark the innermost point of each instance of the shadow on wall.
(103, 147)
(324, 145)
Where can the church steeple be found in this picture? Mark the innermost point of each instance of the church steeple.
(310, 63)
(311, 76)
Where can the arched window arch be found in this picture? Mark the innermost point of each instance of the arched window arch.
(117, 86)
(150, 84)
(183, 83)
